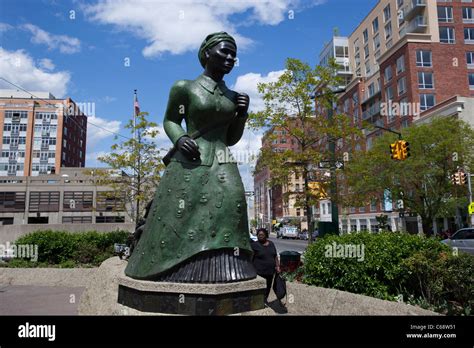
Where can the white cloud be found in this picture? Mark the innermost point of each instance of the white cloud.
(181, 25)
(19, 68)
(248, 84)
(46, 64)
(4, 27)
(64, 43)
(96, 135)
(245, 152)
(92, 159)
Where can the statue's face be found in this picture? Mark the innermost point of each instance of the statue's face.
(222, 57)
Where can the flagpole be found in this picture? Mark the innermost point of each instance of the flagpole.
(137, 139)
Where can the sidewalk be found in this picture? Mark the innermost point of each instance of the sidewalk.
(48, 291)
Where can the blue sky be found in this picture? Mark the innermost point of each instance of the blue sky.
(82, 54)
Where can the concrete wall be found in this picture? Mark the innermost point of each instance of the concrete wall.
(10, 233)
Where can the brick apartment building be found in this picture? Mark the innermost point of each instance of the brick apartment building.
(417, 55)
(40, 134)
(270, 204)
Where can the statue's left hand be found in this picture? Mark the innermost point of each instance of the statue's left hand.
(243, 101)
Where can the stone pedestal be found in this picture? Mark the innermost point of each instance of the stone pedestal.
(190, 298)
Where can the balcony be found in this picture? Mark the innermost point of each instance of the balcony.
(372, 111)
(369, 96)
(418, 25)
(415, 7)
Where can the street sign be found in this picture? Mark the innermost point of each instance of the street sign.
(471, 208)
(325, 164)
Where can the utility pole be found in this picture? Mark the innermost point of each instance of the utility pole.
(470, 194)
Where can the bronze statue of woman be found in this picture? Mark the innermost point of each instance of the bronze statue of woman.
(197, 227)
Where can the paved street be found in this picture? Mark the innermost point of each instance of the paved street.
(289, 244)
(39, 300)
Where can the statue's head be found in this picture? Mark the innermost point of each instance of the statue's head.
(218, 52)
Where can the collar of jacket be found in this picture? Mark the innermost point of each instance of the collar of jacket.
(210, 85)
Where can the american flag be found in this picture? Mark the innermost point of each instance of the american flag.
(136, 105)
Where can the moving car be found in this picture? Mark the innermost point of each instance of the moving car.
(463, 240)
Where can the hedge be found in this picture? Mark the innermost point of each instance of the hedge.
(67, 249)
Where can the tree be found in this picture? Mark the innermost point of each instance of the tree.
(422, 181)
(290, 107)
(138, 157)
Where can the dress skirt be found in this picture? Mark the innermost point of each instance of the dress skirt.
(197, 228)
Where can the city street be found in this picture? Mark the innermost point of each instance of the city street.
(289, 244)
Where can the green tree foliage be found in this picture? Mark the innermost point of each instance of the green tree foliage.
(290, 107)
(422, 181)
(138, 157)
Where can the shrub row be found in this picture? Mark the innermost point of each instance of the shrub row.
(66, 249)
(421, 270)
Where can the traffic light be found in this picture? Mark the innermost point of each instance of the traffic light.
(394, 151)
(459, 178)
(455, 178)
(462, 178)
(404, 149)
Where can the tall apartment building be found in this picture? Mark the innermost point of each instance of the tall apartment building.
(411, 60)
(40, 134)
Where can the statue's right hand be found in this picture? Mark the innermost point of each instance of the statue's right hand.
(189, 148)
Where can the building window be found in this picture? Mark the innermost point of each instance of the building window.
(471, 81)
(386, 13)
(12, 202)
(366, 52)
(356, 45)
(445, 14)
(424, 59)
(427, 101)
(109, 219)
(373, 206)
(376, 42)
(470, 59)
(361, 209)
(425, 80)
(388, 74)
(375, 25)
(389, 93)
(44, 201)
(469, 35)
(400, 64)
(77, 201)
(467, 15)
(388, 31)
(446, 35)
(367, 68)
(77, 219)
(402, 86)
(109, 201)
(366, 36)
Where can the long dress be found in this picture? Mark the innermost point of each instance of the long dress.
(197, 228)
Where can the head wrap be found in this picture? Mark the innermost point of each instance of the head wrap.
(210, 41)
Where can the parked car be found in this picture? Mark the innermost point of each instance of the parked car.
(303, 235)
(463, 239)
(288, 232)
